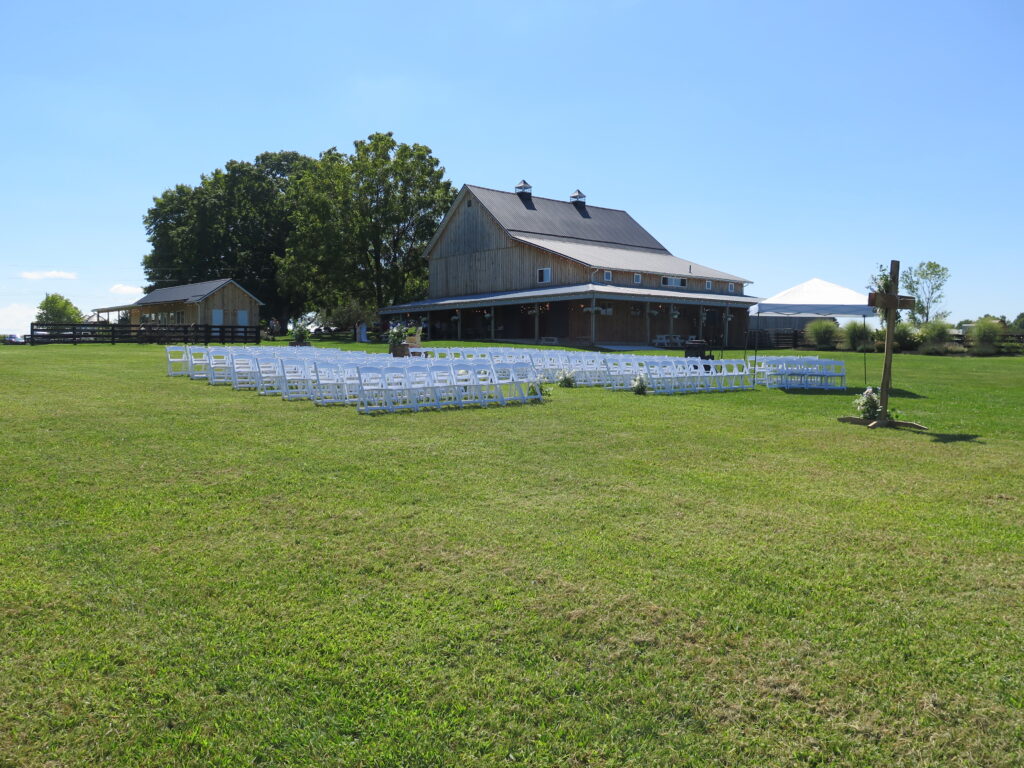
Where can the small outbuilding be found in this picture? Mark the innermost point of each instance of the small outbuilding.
(211, 303)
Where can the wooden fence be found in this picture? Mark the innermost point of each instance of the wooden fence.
(111, 333)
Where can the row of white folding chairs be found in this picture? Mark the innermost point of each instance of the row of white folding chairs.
(215, 364)
(677, 375)
(444, 384)
(801, 372)
(396, 384)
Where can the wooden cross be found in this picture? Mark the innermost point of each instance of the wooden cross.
(890, 301)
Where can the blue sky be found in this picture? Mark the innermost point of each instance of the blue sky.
(775, 140)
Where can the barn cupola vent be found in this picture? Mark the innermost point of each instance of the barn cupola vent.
(523, 188)
(578, 198)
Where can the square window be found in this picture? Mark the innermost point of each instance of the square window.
(544, 275)
(637, 278)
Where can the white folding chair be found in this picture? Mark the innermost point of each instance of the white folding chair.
(244, 371)
(219, 366)
(177, 361)
(198, 363)
(372, 390)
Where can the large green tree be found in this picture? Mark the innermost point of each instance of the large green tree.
(362, 222)
(925, 283)
(236, 223)
(55, 308)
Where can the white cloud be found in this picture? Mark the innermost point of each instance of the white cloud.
(127, 290)
(52, 274)
(16, 318)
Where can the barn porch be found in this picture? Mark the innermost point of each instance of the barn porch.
(583, 315)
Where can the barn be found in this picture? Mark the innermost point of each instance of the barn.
(514, 266)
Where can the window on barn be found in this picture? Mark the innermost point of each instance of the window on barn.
(544, 275)
(607, 276)
(674, 282)
(708, 285)
(637, 278)
(732, 287)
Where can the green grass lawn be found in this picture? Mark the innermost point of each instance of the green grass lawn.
(195, 576)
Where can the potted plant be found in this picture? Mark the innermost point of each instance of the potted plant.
(300, 336)
(397, 336)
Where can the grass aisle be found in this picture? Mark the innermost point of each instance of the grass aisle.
(195, 576)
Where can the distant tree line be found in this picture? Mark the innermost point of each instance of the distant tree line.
(342, 233)
(926, 328)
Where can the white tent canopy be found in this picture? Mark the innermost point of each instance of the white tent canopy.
(815, 297)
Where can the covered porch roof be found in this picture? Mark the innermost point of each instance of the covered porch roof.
(568, 293)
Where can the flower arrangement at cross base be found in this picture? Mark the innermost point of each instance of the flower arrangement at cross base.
(868, 404)
(869, 408)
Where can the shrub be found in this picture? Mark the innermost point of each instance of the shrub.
(566, 379)
(905, 336)
(984, 336)
(823, 334)
(300, 333)
(934, 337)
(858, 337)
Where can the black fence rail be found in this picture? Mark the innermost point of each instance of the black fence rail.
(110, 333)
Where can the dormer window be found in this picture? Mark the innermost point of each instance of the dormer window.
(544, 275)
(673, 282)
(708, 285)
(607, 275)
(637, 278)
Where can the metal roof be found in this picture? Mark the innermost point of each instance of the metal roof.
(603, 238)
(543, 216)
(626, 259)
(569, 292)
(188, 294)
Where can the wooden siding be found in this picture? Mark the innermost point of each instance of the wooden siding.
(473, 254)
(694, 284)
(230, 298)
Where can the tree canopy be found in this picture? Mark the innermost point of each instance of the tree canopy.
(55, 308)
(362, 222)
(926, 283)
(306, 234)
(236, 223)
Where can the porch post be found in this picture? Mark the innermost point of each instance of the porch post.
(700, 321)
(492, 323)
(593, 320)
(458, 322)
(536, 322)
(647, 322)
(671, 320)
